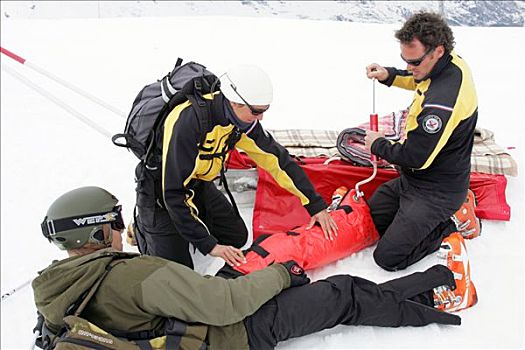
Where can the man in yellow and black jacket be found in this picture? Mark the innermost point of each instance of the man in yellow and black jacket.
(412, 213)
(190, 208)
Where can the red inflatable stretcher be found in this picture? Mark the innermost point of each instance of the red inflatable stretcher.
(310, 248)
(272, 201)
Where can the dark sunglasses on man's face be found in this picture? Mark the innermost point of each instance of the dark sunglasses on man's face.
(255, 111)
(419, 60)
(118, 224)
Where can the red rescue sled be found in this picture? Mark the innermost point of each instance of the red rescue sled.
(309, 248)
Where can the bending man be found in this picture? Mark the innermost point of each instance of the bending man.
(182, 205)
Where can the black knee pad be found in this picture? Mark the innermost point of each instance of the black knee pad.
(384, 261)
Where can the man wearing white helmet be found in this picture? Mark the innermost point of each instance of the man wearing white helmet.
(192, 209)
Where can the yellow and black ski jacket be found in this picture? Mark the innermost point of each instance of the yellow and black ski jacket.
(184, 162)
(439, 129)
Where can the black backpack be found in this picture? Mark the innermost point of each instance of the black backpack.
(154, 103)
(188, 82)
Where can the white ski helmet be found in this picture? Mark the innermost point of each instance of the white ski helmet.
(247, 82)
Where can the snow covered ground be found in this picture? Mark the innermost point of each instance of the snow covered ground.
(318, 72)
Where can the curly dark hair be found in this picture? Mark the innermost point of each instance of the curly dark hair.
(429, 28)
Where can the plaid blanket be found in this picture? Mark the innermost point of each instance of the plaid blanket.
(308, 143)
(487, 156)
(490, 158)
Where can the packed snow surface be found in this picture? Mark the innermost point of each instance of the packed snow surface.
(317, 68)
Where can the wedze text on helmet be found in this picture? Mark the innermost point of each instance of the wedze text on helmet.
(96, 219)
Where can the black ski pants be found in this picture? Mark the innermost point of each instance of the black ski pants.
(158, 236)
(411, 221)
(349, 300)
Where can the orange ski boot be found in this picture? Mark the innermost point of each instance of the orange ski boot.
(465, 218)
(454, 253)
(337, 197)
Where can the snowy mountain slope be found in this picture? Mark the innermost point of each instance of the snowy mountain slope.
(318, 72)
(464, 13)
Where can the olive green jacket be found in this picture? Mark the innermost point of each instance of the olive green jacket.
(141, 291)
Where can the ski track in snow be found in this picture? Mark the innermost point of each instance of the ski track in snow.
(317, 68)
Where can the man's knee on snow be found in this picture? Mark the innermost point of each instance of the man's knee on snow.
(387, 257)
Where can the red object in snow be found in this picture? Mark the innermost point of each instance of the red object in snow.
(374, 121)
(12, 55)
(490, 196)
(237, 160)
(309, 248)
(277, 210)
(273, 203)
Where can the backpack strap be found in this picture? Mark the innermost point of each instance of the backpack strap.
(228, 192)
(47, 337)
(85, 299)
(188, 92)
(177, 65)
(144, 344)
(129, 141)
(167, 90)
(203, 110)
(234, 137)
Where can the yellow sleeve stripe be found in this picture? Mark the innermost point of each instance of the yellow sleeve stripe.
(466, 104)
(405, 82)
(168, 130)
(194, 211)
(467, 98)
(451, 125)
(270, 163)
(169, 123)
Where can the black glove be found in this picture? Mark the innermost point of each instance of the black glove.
(297, 275)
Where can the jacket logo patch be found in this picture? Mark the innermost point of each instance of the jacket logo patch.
(432, 124)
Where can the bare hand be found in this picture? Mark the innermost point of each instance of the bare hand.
(327, 224)
(370, 137)
(233, 256)
(375, 71)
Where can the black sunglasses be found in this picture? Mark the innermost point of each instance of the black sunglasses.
(254, 110)
(118, 224)
(419, 60)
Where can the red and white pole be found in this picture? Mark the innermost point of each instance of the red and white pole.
(68, 85)
(12, 55)
(374, 119)
(57, 101)
(374, 126)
